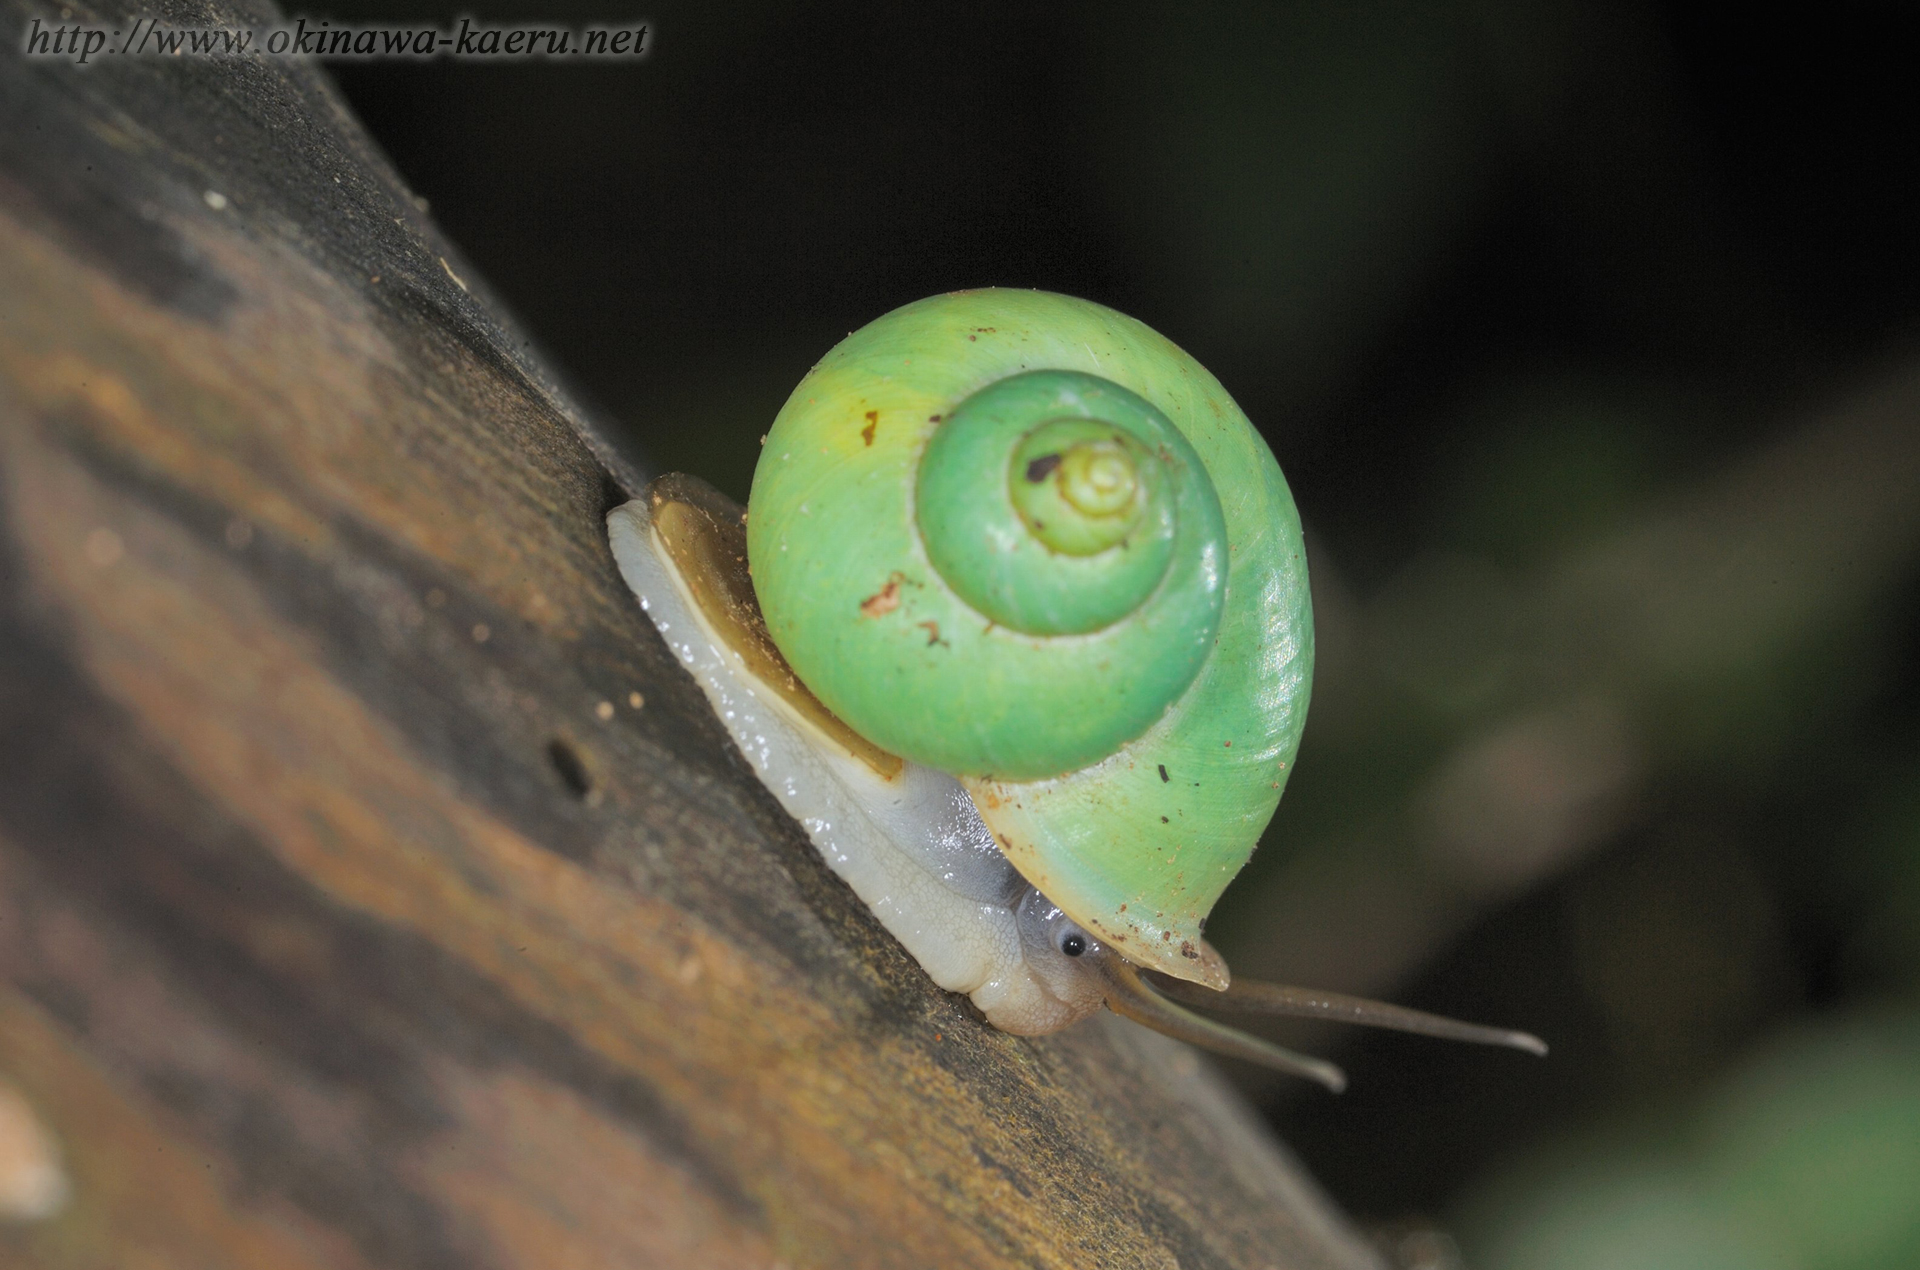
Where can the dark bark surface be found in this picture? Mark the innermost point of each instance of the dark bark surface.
(374, 888)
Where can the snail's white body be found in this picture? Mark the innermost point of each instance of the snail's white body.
(913, 847)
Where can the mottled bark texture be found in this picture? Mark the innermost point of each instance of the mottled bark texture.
(374, 888)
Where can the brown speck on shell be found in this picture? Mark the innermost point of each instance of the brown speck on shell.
(883, 601)
(1039, 469)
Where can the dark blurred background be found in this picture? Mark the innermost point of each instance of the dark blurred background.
(1589, 340)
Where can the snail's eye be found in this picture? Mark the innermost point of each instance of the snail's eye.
(1073, 945)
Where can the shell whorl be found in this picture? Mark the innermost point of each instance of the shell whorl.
(1022, 573)
(1058, 503)
(1113, 657)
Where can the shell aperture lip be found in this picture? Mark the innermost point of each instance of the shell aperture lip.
(700, 530)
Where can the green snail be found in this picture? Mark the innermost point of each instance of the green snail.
(1016, 625)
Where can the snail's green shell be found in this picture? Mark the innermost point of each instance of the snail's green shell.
(1026, 540)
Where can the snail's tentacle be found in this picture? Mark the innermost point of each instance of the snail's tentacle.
(1255, 996)
(1129, 996)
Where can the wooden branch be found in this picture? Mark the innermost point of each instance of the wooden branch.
(375, 890)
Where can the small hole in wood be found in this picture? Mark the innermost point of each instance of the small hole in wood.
(572, 770)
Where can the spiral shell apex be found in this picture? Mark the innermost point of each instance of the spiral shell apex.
(1025, 540)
